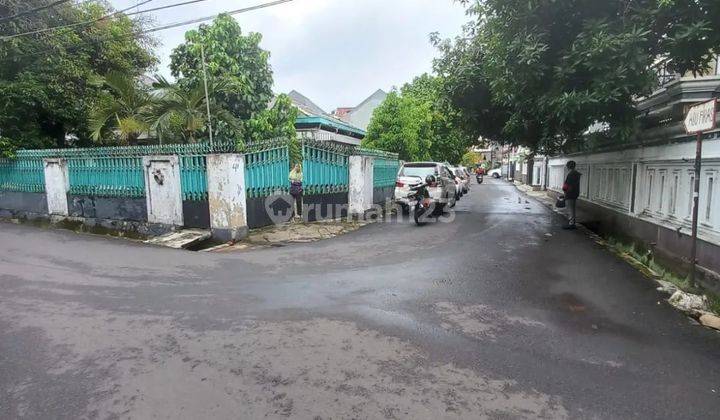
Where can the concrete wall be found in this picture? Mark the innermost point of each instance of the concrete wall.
(196, 214)
(112, 208)
(650, 187)
(266, 211)
(382, 195)
(228, 211)
(20, 204)
(325, 206)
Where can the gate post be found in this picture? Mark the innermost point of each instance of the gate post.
(360, 193)
(227, 196)
(57, 185)
(163, 191)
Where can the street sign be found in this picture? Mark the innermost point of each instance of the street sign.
(701, 117)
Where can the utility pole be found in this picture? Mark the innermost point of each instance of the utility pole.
(207, 98)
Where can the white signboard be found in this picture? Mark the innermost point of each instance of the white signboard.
(701, 117)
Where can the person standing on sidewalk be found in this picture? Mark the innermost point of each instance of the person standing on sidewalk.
(296, 179)
(572, 192)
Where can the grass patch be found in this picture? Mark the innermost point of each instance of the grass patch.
(642, 259)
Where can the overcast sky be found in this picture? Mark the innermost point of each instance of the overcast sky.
(336, 52)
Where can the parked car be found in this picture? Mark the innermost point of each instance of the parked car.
(495, 173)
(464, 179)
(457, 180)
(442, 192)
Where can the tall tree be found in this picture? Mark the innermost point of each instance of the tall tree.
(538, 73)
(235, 58)
(418, 125)
(48, 81)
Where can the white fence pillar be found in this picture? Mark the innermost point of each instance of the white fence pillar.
(360, 195)
(163, 190)
(57, 185)
(227, 196)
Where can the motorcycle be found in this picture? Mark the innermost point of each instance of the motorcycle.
(419, 200)
(479, 178)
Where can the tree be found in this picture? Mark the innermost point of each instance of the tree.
(122, 112)
(539, 73)
(469, 159)
(235, 58)
(276, 122)
(49, 81)
(415, 123)
(179, 111)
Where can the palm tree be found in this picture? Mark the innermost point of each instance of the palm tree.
(122, 110)
(182, 107)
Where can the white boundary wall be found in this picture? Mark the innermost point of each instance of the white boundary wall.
(662, 177)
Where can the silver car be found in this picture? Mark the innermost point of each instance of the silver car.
(461, 173)
(411, 173)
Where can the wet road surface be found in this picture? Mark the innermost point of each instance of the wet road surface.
(484, 317)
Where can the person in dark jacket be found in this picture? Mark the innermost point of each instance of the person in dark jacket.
(572, 192)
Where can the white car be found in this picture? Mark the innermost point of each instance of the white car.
(413, 173)
(495, 173)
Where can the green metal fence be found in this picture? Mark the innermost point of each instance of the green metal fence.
(267, 165)
(106, 176)
(193, 177)
(118, 172)
(385, 172)
(325, 167)
(386, 166)
(23, 174)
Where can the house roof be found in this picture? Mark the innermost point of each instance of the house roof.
(311, 115)
(378, 94)
(304, 104)
(333, 124)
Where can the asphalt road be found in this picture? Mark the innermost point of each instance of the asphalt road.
(484, 317)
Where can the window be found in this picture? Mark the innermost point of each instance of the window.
(708, 205)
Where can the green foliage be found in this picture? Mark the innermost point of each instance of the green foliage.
(469, 160)
(539, 73)
(121, 113)
(179, 111)
(417, 125)
(7, 147)
(230, 56)
(277, 121)
(49, 81)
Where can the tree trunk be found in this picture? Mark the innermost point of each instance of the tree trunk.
(530, 165)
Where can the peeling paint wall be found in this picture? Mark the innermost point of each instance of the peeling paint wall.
(227, 195)
(361, 184)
